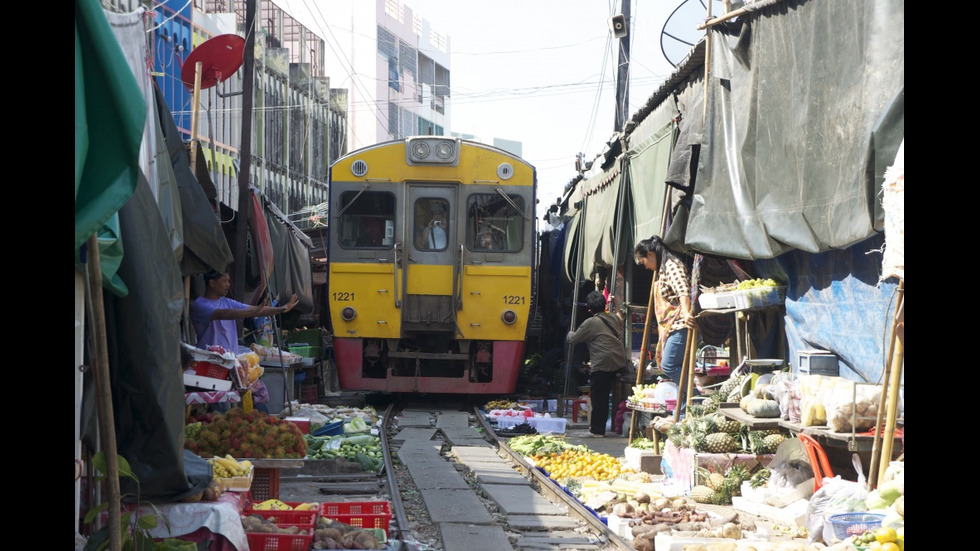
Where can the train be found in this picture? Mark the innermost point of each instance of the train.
(432, 252)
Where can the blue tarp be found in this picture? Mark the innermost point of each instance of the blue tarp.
(834, 302)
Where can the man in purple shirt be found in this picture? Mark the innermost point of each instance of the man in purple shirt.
(214, 314)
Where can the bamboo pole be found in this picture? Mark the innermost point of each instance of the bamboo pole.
(897, 363)
(882, 401)
(103, 394)
(198, 69)
(644, 349)
(685, 386)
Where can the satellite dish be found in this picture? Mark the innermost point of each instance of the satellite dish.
(220, 57)
(680, 32)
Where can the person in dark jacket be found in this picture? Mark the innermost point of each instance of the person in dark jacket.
(603, 335)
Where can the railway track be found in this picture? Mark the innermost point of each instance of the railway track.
(454, 485)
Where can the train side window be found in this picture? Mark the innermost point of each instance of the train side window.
(492, 224)
(432, 224)
(367, 219)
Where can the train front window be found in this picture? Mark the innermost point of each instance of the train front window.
(432, 224)
(493, 224)
(367, 219)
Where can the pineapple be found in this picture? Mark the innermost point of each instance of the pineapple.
(737, 474)
(720, 442)
(725, 424)
(702, 494)
(731, 384)
(710, 406)
(715, 481)
(771, 442)
(760, 478)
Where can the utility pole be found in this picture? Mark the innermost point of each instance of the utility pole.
(623, 72)
(245, 153)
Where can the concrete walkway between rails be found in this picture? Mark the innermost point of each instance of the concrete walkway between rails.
(456, 507)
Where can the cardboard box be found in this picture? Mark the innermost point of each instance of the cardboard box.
(647, 461)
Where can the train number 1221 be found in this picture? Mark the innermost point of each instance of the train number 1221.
(513, 299)
(343, 296)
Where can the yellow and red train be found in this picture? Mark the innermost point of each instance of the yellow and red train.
(433, 251)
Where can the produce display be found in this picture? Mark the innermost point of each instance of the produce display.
(364, 449)
(229, 467)
(580, 464)
(334, 534)
(239, 434)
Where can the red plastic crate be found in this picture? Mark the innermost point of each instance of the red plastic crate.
(208, 369)
(359, 514)
(265, 484)
(278, 542)
(302, 519)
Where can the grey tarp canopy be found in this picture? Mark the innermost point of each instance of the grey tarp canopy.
(805, 111)
(794, 150)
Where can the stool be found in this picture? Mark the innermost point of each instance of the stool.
(576, 403)
(818, 460)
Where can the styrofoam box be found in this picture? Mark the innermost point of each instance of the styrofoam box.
(540, 424)
(206, 383)
(666, 542)
(715, 301)
(793, 514)
(620, 526)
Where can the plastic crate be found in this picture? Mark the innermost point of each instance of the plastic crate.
(855, 524)
(359, 514)
(278, 542)
(208, 369)
(302, 519)
(265, 484)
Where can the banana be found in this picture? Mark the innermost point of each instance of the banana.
(305, 507)
(228, 462)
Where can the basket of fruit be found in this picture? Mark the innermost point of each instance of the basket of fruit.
(855, 524)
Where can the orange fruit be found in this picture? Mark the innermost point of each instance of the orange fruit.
(889, 546)
(886, 535)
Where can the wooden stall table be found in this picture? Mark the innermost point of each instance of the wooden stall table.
(732, 411)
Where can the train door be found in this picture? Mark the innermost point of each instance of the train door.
(431, 248)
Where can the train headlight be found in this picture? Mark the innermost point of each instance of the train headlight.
(420, 150)
(509, 317)
(348, 313)
(435, 151)
(445, 150)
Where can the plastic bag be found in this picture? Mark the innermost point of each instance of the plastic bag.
(790, 466)
(788, 393)
(851, 406)
(835, 496)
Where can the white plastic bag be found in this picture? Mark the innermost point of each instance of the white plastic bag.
(790, 465)
(835, 496)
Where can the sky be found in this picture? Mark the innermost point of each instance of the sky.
(543, 72)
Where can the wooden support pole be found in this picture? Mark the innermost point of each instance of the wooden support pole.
(644, 348)
(895, 380)
(103, 395)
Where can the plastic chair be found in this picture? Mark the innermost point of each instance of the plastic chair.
(818, 460)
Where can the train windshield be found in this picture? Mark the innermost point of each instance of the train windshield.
(367, 219)
(432, 224)
(493, 223)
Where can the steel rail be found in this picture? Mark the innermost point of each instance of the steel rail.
(550, 489)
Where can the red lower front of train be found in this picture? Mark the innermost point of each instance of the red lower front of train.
(486, 367)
